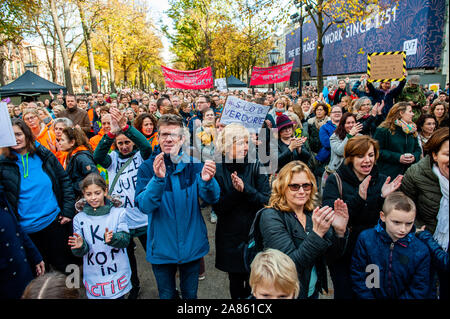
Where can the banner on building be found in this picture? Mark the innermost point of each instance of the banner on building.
(273, 74)
(188, 80)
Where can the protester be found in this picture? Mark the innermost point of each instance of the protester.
(146, 124)
(426, 125)
(42, 133)
(440, 110)
(426, 182)
(79, 161)
(397, 138)
(97, 211)
(370, 117)
(274, 276)
(362, 186)
(387, 246)
(180, 241)
(243, 191)
(342, 90)
(386, 94)
(21, 259)
(130, 151)
(293, 224)
(413, 94)
(313, 126)
(40, 194)
(78, 116)
(52, 285)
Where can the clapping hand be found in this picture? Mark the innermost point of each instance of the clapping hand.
(108, 235)
(75, 241)
(159, 167)
(356, 129)
(208, 171)
(389, 188)
(363, 187)
(322, 219)
(340, 217)
(238, 184)
(118, 117)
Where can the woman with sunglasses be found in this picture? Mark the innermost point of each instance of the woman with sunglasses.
(363, 188)
(295, 225)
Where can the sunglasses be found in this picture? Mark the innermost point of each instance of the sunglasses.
(295, 187)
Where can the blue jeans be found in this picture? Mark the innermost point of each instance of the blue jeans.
(165, 279)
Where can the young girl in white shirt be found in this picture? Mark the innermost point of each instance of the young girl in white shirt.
(101, 236)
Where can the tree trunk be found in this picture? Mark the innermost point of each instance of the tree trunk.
(55, 65)
(111, 63)
(2, 72)
(90, 54)
(62, 46)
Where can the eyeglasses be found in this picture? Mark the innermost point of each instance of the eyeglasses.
(295, 187)
(165, 136)
(30, 118)
(336, 112)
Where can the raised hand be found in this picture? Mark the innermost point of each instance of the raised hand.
(322, 219)
(208, 171)
(40, 268)
(108, 235)
(356, 129)
(389, 188)
(75, 241)
(380, 107)
(238, 183)
(159, 167)
(364, 186)
(118, 117)
(340, 217)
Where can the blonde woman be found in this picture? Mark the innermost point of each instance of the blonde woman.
(42, 133)
(294, 224)
(243, 191)
(397, 137)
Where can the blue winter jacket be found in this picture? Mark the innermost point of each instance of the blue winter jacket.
(325, 133)
(176, 230)
(404, 266)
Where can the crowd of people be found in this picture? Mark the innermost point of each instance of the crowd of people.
(361, 180)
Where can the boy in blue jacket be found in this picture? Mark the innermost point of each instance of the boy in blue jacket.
(389, 262)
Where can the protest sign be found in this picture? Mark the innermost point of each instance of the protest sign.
(434, 87)
(221, 84)
(386, 66)
(7, 137)
(273, 74)
(188, 80)
(250, 115)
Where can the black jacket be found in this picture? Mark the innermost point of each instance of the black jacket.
(282, 231)
(285, 155)
(80, 165)
(62, 187)
(363, 214)
(236, 210)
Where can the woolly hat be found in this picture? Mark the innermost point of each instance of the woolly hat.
(283, 121)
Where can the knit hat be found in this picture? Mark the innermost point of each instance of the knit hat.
(415, 79)
(134, 102)
(113, 95)
(283, 121)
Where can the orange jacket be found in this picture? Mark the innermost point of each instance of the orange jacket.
(96, 139)
(45, 137)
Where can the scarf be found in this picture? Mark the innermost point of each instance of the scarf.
(441, 232)
(407, 128)
(361, 115)
(321, 122)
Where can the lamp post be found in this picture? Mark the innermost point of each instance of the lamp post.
(273, 58)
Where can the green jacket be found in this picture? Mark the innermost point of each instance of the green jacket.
(392, 146)
(416, 95)
(422, 186)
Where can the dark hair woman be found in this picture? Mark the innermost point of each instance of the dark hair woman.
(360, 184)
(426, 125)
(146, 124)
(40, 194)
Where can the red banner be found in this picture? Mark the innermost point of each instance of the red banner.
(273, 74)
(188, 80)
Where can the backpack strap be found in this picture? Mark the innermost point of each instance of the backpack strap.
(116, 178)
(339, 183)
(254, 229)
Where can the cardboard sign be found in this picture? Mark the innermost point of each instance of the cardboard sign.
(188, 80)
(7, 137)
(386, 66)
(250, 115)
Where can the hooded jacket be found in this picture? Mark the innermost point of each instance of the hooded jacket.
(403, 266)
(388, 96)
(80, 164)
(61, 184)
(325, 133)
(176, 230)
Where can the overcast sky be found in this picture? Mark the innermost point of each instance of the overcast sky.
(157, 8)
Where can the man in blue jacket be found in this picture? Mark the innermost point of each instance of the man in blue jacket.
(168, 186)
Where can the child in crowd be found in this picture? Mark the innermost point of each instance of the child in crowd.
(389, 262)
(101, 236)
(273, 276)
(52, 285)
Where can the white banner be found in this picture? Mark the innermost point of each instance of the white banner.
(7, 137)
(250, 115)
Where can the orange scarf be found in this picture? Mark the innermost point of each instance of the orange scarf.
(69, 155)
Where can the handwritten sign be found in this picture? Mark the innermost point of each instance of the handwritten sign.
(250, 115)
(386, 66)
(7, 137)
